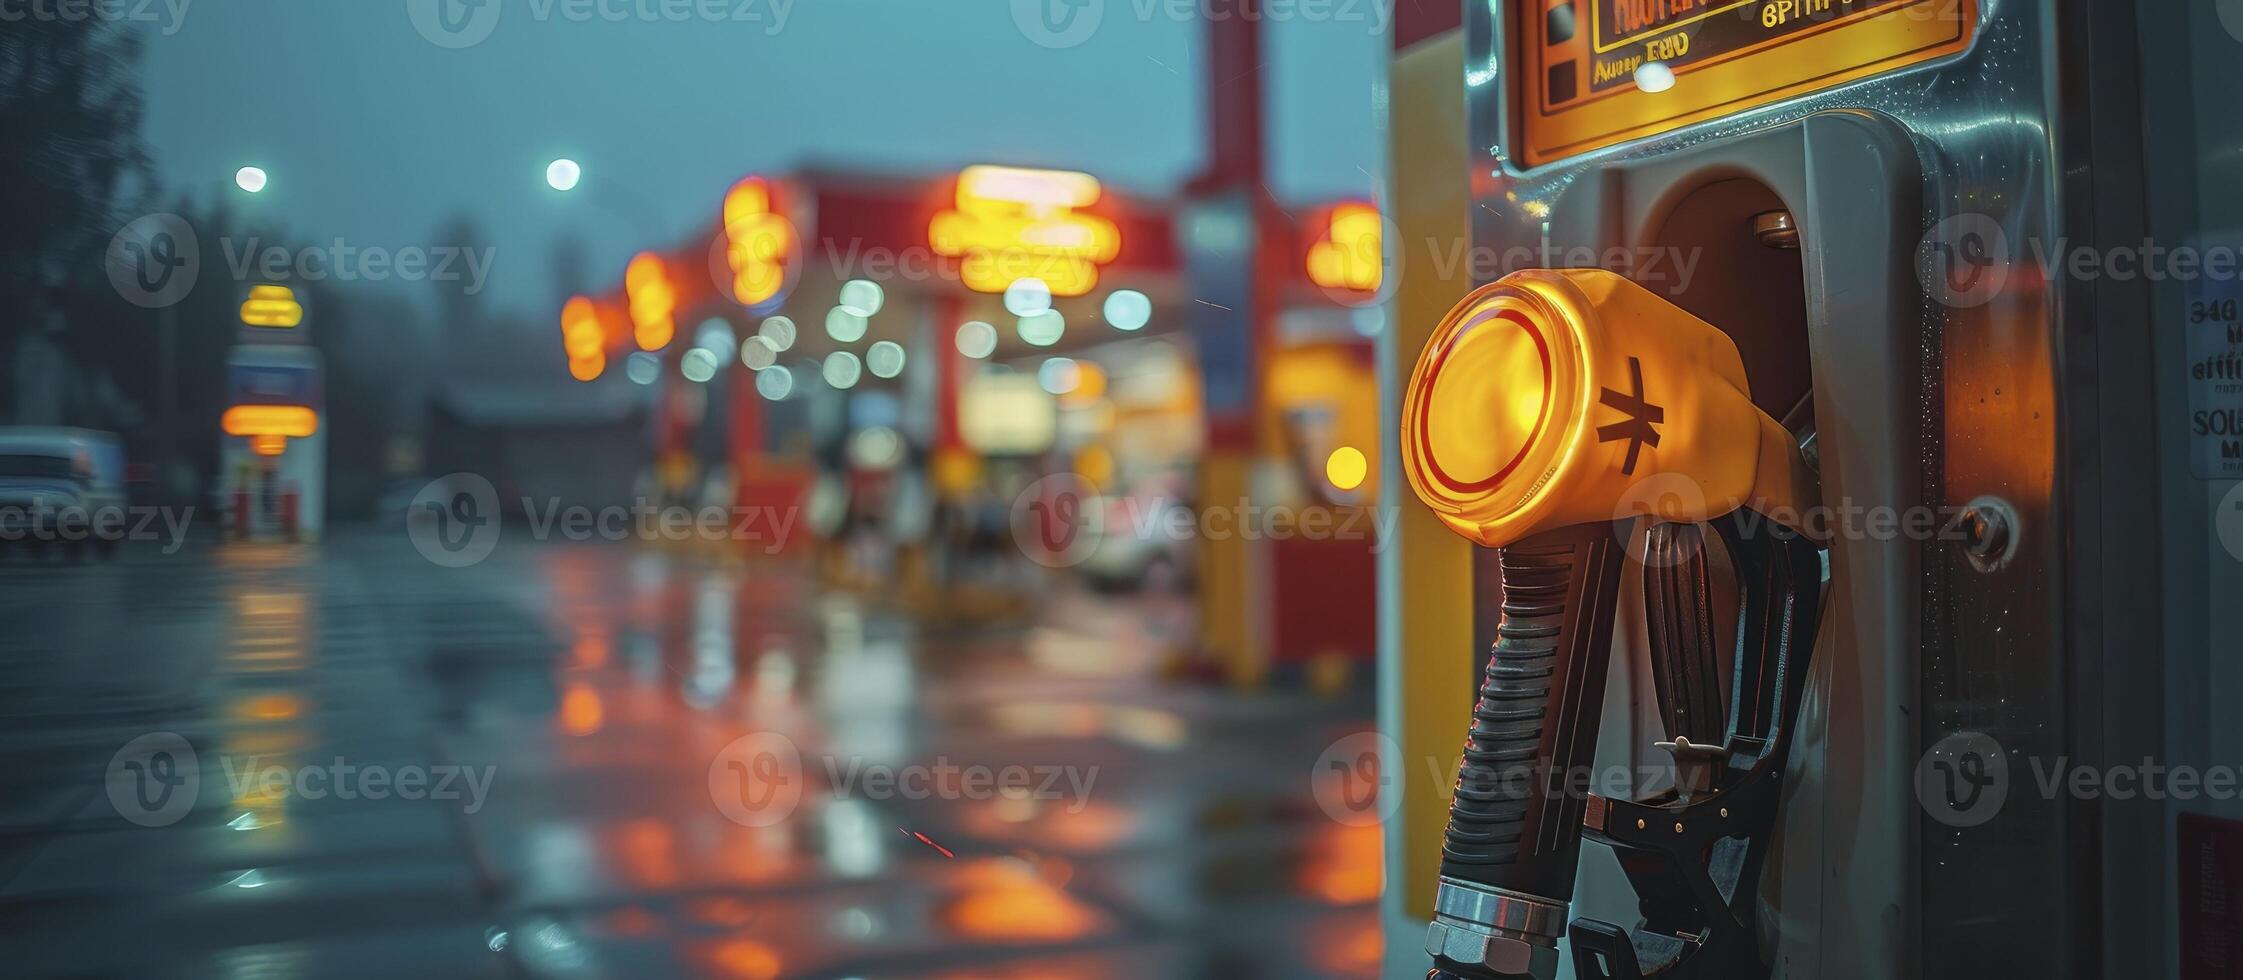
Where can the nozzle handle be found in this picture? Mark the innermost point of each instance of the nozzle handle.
(1515, 823)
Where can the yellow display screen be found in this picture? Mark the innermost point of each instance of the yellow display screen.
(1600, 72)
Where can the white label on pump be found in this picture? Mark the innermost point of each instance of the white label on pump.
(2213, 322)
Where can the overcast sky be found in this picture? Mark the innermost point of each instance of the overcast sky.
(374, 133)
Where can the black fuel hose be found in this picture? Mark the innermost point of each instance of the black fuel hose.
(1515, 821)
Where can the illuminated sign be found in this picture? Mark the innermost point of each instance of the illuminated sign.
(654, 302)
(1601, 72)
(271, 306)
(757, 242)
(1010, 223)
(583, 338)
(1348, 256)
(293, 421)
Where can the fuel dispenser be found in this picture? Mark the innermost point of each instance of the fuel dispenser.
(1769, 452)
(1503, 442)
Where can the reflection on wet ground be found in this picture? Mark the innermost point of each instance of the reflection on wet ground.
(608, 762)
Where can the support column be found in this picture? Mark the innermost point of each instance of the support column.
(1232, 242)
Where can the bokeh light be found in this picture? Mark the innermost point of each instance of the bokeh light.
(715, 335)
(884, 359)
(862, 297)
(757, 353)
(1347, 468)
(843, 370)
(780, 331)
(976, 339)
(844, 325)
(1128, 309)
(776, 384)
(1027, 297)
(1043, 329)
(698, 365)
(1059, 375)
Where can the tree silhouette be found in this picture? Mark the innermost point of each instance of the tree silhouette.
(70, 106)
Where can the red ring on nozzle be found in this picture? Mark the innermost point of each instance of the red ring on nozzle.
(1542, 417)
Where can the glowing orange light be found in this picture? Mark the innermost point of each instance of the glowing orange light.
(587, 368)
(654, 302)
(1348, 256)
(646, 853)
(745, 959)
(591, 650)
(581, 333)
(1011, 223)
(271, 306)
(758, 241)
(294, 421)
(1004, 901)
(268, 445)
(269, 707)
(582, 712)
(1344, 864)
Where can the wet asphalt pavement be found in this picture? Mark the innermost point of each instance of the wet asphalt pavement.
(608, 761)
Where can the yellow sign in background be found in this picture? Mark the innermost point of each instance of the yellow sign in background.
(1600, 72)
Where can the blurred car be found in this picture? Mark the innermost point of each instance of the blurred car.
(55, 484)
(1145, 540)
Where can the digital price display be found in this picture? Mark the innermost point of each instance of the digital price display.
(1601, 72)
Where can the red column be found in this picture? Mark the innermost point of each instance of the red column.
(950, 369)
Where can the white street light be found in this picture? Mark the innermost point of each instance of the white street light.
(563, 174)
(251, 179)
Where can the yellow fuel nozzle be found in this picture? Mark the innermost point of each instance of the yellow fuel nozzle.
(1553, 398)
